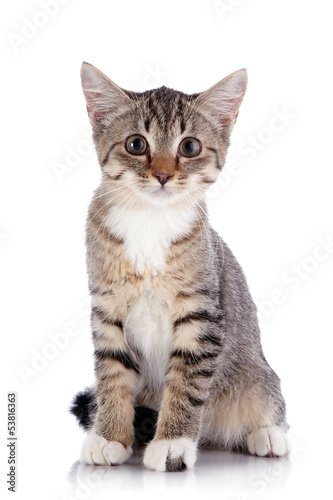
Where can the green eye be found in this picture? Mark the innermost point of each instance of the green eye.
(189, 147)
(136, 145)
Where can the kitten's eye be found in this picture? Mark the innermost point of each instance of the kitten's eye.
(189, 147)
(136, 145)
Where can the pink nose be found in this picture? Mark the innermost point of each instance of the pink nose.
(163, 178)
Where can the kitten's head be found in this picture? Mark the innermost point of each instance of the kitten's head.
(162, 145)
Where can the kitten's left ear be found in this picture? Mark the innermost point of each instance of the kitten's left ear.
(224, 98)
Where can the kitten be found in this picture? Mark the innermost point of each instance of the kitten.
(173, 323)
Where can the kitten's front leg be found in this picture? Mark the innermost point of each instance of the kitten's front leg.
(192, 365)
(110, 440)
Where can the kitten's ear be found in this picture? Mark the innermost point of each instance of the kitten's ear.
(103, 97)
(224, 98)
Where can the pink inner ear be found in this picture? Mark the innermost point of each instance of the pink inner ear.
(225, 98)
(227, 117)
(93, 113)
(102, 96)
(92, 99)
(235, 115)
(233, 105)
(93, 86)
(232, 116)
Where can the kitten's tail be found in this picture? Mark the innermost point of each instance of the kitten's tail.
(84, 407)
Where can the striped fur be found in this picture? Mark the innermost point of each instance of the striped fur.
(174, 326)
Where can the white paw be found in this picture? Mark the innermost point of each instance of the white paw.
(98, 451)
(268, 441)
(171, 455)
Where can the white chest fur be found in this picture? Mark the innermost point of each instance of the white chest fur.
(148, 232)
(148, 329)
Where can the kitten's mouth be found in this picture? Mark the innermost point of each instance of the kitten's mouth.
(160, 194)
(161, 191)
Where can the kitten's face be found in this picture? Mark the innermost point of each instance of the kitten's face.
(162, 146)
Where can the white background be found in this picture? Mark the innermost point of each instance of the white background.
(273, 206)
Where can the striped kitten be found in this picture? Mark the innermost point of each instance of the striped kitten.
(174, 327)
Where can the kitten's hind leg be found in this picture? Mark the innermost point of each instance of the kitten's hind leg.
(268, 442)
(247, 419)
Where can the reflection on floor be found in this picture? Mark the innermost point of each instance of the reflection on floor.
(238, 476)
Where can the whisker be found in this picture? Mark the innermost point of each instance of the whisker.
(114, 189)
(202, 224)
(108, 214)
(111, 200)
(123, 208)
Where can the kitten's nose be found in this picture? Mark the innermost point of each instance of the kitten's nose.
(163, 178)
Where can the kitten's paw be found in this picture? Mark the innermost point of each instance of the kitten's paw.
(98, 451)
(268, 442)
(171, 455)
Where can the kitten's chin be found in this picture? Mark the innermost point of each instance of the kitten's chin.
(160, 196)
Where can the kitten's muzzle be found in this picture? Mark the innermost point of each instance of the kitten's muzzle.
(163, 178)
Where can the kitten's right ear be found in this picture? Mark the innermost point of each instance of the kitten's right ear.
(103, 97)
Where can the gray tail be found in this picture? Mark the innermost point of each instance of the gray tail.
(84, 407)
